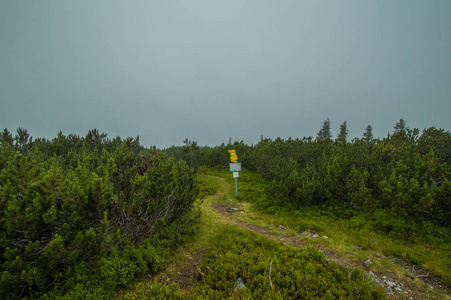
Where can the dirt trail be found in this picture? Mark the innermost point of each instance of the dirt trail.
(396, 288)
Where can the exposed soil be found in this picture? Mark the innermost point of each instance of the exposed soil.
(395, 288)
(185, 272)
(184, 276)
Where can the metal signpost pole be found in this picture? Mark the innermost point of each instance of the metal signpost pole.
(235, 167)
(236, 175)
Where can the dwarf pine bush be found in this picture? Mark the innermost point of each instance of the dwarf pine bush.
(77, 211)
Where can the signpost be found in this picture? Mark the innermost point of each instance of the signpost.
(235, 167)
(235, 175)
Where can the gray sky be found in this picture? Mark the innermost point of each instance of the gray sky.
(209, 70)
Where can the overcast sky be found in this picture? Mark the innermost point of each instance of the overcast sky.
(209, 70)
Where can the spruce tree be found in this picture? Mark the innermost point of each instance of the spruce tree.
(324, 133)
(343, 132)
(400, 126)
(368, 134)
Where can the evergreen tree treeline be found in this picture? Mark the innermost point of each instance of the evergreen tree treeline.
(406, 175)
(81, 215)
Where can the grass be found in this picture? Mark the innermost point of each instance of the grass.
(207, 227)
(267, 270)
(344, 240)
(357, 244)
(343, 237)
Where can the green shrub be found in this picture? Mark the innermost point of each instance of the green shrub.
(295, 273)
(93, 210)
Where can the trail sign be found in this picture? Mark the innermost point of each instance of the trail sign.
(235, 167)
(233, 156)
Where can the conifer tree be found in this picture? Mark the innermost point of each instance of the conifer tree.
(400, 126)
(6, 138)
(22, 138)
(324, 133)
(368, 134)
(343, 132)
(64, 206)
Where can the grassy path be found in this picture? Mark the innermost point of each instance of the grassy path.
(221, 209)
(392, 275)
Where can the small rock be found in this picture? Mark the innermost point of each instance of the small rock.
(398, 289)
(390, 284)
(242, 212)
(179, 273)
(367, 263)
(325, 237)
(231, 209)
(239, 284)
(315, 235)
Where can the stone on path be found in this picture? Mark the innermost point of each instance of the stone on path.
(390, 284)
(239, 284)
(232, 209)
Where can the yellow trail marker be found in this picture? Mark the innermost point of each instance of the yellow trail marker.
(233, 156)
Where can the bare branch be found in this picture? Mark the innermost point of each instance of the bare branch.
(270, 282)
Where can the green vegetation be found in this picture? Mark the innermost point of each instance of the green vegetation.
(81, 216)
(212, 228)
(428, 249)
(90, 217)
(396, 191)
(240, 264)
